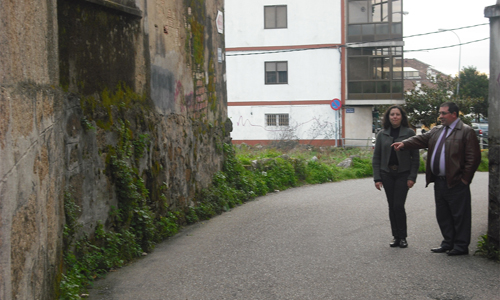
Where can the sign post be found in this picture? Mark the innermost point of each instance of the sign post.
(336, 104)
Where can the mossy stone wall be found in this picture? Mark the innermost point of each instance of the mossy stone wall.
(115, 106)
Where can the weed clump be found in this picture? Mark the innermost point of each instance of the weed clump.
(487, 249)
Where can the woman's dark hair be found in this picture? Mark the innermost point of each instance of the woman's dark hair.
(387, 122)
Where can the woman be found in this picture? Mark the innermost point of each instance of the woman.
(395, 171)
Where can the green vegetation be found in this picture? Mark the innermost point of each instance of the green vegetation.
(86, 125)
(484, 165)
(197, 31)
(135, 230)
(487, 249)
(422, 104)
(111, 105)
(137, 227)
(474, 86)
(247, 172)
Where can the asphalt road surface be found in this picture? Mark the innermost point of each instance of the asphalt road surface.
(328, 241)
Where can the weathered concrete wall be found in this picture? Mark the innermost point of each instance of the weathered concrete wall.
(31, 182)
(30, 190)
(97, 46)
(73, 72)
(493, 13)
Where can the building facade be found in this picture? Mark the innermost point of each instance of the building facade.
(417, 73)
(283, 61)
(289, 62)
(374, 61)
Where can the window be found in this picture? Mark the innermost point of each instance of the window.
(275, 17)
(375, 73)
(276, 72)
(374, 20)
(371, 11)
(413, 74)
(277, 120)
(358, 12)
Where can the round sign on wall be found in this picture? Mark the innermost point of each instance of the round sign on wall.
(220, 22)
(336, 104)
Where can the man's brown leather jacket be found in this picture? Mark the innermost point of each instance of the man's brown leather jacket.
(462, 153)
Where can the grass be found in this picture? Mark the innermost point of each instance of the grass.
(311, 165)
(484, 165)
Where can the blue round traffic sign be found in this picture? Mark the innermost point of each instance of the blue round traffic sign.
(336, 104)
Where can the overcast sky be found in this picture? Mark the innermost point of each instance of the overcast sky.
(431, 15)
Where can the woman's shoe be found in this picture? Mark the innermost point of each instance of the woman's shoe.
(403, 243)
(395, 242)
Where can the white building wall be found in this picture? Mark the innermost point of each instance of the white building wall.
(307, 122)
(312, 75)
(358, 126)
(309, 23)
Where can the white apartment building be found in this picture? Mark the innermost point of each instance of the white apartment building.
(288, 75)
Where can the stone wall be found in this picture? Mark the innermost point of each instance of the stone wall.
(31, 184)
(73, 75)
(493, 13)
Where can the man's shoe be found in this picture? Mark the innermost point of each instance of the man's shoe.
(440, 250)
(403, 243)
(455, 252)
(395, 242)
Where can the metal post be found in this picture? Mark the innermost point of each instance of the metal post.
(459, 56)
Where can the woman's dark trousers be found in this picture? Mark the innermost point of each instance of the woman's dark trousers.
(396, 189)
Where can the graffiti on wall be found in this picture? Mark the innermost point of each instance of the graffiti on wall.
(193, 103)
(317, 127)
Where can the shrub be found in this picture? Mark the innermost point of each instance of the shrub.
(280, 174)
(421, 168)
(319, 173)
(362, 167)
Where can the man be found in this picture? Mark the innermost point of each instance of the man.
(451, 166)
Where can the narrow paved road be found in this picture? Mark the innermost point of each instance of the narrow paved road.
(328, 241)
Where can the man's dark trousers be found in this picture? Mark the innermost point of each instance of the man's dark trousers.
(453, 213)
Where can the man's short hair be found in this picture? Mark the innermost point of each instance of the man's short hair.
(452, 107)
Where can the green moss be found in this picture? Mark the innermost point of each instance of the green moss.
(109, 105)
(196, 21)
(198, 34)
(136, 224)
(156, 168)
(212, 96)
